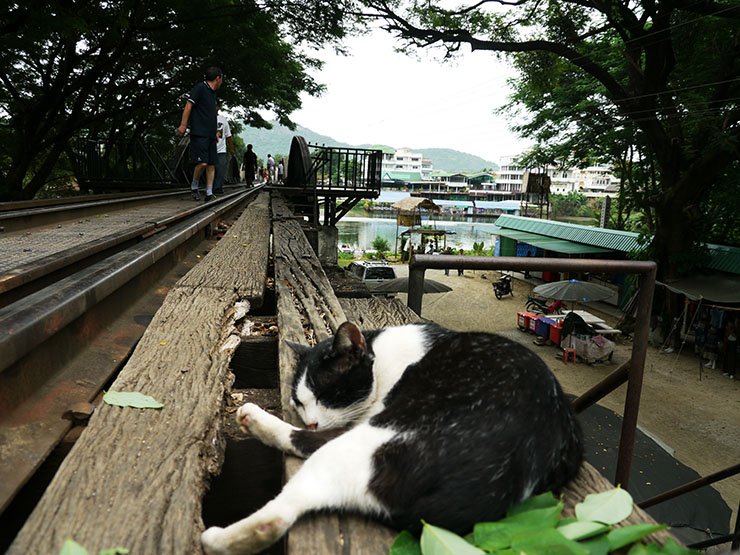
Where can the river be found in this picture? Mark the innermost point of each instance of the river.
(359, 229)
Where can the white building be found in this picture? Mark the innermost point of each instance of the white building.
(592, 181)
(402, 160)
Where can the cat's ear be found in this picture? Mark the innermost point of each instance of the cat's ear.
(348, 338)
(298, 348)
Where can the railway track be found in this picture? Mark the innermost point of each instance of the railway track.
(78, 284)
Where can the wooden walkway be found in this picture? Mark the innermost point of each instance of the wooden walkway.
(136, 478)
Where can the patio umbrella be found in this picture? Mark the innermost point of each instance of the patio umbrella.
(574, 290)
(401, 285)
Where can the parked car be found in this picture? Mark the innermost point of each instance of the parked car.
(371, 271)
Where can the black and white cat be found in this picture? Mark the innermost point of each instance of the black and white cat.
(412, 422)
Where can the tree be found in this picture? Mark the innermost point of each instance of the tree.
(668, 70)
(124, 68)
(380, 245)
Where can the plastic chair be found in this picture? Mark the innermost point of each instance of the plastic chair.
(567, 351)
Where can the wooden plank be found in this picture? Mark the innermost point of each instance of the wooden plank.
(377, 312)
(136, 477)
(242, 256)
(308, 312)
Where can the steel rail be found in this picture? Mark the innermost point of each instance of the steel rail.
(645, 269)
(26, 323)
(34, 269)
(16, 220)
(34, 204)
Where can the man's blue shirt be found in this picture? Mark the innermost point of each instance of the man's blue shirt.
(203, 113)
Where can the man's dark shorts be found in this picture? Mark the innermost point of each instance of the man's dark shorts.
(203, 150)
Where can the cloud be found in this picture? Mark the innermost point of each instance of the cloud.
(380, 96)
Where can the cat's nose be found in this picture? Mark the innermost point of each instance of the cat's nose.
(312, 426)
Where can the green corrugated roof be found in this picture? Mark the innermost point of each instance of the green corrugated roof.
(723, 258)
(403, 176)
(611, 239)
(550, 243)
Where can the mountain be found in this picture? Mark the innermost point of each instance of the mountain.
(455, 161)
(277, 141)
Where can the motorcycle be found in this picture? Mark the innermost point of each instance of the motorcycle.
(538, 305)
(502, 287)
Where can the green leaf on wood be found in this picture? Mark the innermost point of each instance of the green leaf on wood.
(115, 551)
(494, 535)
(596, 546)
(619, 537)
(670, 547)
(131, 399)
(542, 501)
(609, 507)
(581, 530)
(537, 518)
(405, 544)
(71, 547)
(438, 541)
(548, 541)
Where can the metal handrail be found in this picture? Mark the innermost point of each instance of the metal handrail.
(645, 269)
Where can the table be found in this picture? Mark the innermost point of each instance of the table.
(587, 316)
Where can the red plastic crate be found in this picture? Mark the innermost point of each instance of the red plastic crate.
(523, 318)
(533, 323)
(556, 331)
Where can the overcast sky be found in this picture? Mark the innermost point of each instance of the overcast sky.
(378, 96)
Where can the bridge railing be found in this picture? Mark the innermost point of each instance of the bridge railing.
(105, 163)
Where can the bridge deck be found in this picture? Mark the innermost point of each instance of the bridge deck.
(136, 477)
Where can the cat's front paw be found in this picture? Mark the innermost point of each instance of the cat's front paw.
(269, 429)
(212, 542)
(249, 417)
(254, 535)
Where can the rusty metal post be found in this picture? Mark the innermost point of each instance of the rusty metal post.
(416, 286)
(691, 486)
(636, 372)
(647, 271)
(602, 389)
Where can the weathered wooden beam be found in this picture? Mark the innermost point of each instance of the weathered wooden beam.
(136, 477)
(308, 312)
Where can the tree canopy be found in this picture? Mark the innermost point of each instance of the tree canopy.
(123, 68)
(653, 83)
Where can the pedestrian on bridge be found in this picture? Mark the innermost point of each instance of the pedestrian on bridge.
(200, 110)
(223, 137)
(250, 165)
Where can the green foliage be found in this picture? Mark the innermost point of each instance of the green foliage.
(536, 527)
(381, 245)
(595, 85)
(478, 249)
(572, 204)
(124, 69)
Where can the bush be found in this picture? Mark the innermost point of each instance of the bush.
(380, 245)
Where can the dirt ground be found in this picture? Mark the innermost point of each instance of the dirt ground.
(699, 419)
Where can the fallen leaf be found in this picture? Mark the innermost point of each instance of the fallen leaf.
(131, 399)
(71, 547)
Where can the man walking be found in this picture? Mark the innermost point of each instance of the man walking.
(270, 169)
(200, 111)
(250, 165)
(223, 136)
